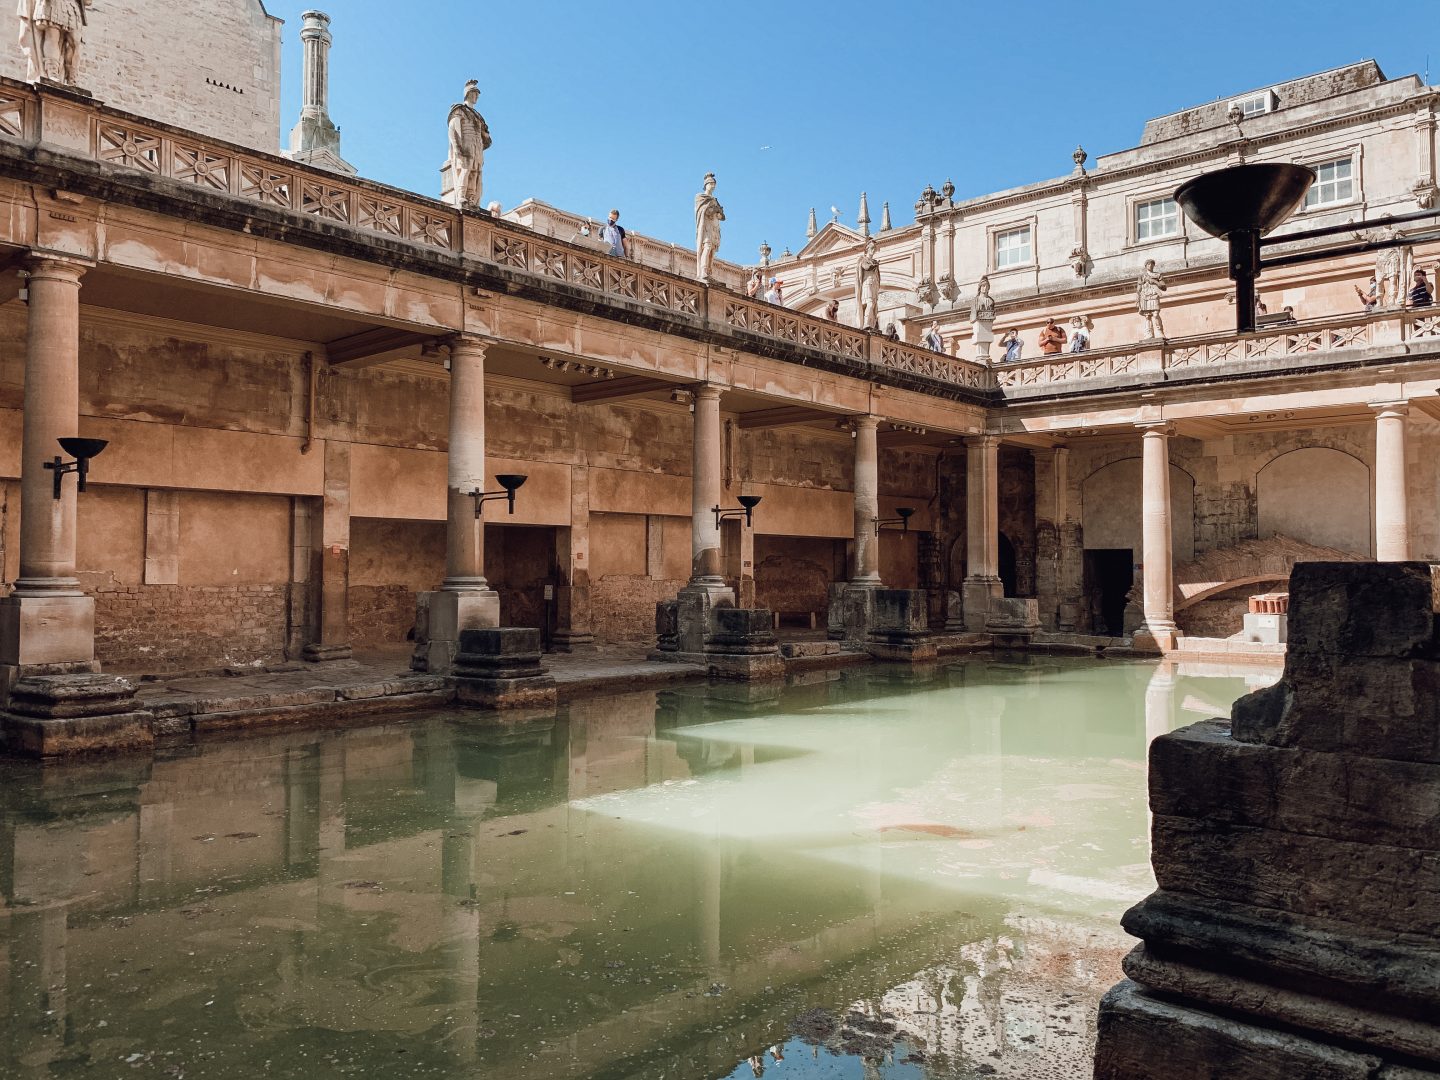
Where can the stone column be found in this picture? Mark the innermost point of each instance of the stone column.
(982, 529)
(707, 586)
(47, 625)
(1159, 631)
(332, 584)
(865, 571)
(464, 600)
(1392, 519)
(706, 567)
(573, 627)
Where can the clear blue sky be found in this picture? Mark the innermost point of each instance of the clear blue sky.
(794, 104)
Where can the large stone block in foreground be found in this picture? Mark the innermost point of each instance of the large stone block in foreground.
(1296, 928)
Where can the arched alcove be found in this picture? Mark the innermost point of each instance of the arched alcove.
(1318, 495)
(1110, 509)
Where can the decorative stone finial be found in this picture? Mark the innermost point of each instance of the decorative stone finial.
(947, 189)
(863, 218)
(764, 254)
(885, 217)
(315, 140)
(1080, 157)
(811, 229)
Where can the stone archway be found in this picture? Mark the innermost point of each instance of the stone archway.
(1317, 495)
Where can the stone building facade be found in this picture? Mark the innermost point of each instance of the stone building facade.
(302, 376)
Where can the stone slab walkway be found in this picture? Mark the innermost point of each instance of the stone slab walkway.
(374, 681)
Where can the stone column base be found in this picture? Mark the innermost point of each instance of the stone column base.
(900, 627)
(741, 644)
(441, 617)
(852, 610)
(500, 668)
(45, 635)
(570, 641)
(316, 653)
(692, 614)
(977, 594)
(59, 715)
(1154, 638)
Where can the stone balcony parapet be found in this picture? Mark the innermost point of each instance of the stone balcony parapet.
(378, 222)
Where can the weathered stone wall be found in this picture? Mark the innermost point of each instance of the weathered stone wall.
(793, 574)
(173, 628)
(211, 66)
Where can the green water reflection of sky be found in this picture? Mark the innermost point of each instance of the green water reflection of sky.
(929, 866)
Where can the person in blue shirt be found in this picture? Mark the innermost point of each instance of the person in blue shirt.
(1012, 345)
(613, 233)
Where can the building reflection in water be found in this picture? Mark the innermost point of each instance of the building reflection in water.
(646, 883)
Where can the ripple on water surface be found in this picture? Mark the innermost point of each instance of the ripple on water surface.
(868, 873)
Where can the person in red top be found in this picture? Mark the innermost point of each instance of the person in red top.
(1052, 338)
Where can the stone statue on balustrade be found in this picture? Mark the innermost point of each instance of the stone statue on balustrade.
(1391, 265)
(51, 32)
(867, 288)
(708, 216)
(469, 139)
(982, 319)
(1147, 294)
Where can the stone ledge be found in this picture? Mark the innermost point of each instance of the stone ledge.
(1145, 1038)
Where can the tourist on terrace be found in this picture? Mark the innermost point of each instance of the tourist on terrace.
(613, 233)
(1052, 338)
(752, 287)
(891, 334)
(1012, 345)
(1079, 336)
(1370, 296)
(1420, 295)
(933, 341)
(832, 311)
(776, 293)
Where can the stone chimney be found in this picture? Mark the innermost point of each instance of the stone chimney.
(315, 140)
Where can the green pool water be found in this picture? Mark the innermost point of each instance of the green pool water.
(869, 873)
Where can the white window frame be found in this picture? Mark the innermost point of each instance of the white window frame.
(1150, 200)
(1350, 158)
(998, 231)
(1264, 99)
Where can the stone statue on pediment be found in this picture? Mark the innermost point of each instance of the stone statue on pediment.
(867, 287)
(1148, 288)
(708, 216)
(469, 139)
(1390, 266)
(51, 32)
(982, 320)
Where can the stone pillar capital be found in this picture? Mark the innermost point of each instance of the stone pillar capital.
(1155, 428)
(981, 442)
(468, 345)
(707, 392)
(1390, 408)
(55, 266)
(866, 421)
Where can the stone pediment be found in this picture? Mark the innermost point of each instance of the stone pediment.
(832, 238)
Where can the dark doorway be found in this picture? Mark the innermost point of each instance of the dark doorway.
(1009, 574)
(1109, 574)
